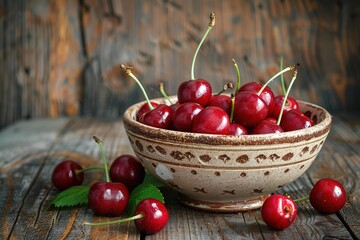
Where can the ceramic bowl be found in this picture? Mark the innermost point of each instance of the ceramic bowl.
(226, 173)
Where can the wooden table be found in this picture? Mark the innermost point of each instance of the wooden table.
(29, 150)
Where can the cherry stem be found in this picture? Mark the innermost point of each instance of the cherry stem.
(232, 107)
(226, 87)
(291, 68)
(89, 168)
(282, 76)
(211, 24)
(98, 141)
(238, 76)
(127, 70)
(162, 90)
(286, 96)
(286, 209)
(302, 199)
(115, 221)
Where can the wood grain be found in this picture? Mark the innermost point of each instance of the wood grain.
(61, 58)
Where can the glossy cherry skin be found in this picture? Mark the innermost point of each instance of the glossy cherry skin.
(159, 117)
(144, 109)
(267, 94)
(327, 196)
(197, 90)
(108, 198)
(174, 106)
(155, 215)
(183, 116)
(249, 109)
(128, 170)
(295, 120)
(279, 211)
(237, 129)
(267, 126)
(64, 175)
(221, 101)
(212, 120)
(291, 103)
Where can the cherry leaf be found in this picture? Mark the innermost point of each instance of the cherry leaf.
(76, 195)
(141, 192)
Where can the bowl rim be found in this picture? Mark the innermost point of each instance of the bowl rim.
(178, 137)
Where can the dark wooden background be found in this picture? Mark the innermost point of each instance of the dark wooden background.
(61, 57)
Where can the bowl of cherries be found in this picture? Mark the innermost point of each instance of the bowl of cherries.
(226, 152)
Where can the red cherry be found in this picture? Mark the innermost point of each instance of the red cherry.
(145, 108)
(212, 120)
(221, 101)
(184, 115)
(250, 109)
(127, 170)
(108, 198)
(295, 120)
(197, 90)
(159, 117)
(237, 129)
(267, 126)
(279, 211)
(291, 103)
(174, 106)
(267, 94)
(64, 175)
(155, 216)
(327, 196)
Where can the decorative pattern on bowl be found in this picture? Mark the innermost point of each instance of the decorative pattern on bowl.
(226, 173)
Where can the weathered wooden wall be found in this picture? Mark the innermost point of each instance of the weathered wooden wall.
(61, 57)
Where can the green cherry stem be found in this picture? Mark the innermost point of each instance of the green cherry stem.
(211, 25)
(98, 141)
(115, 221)
(128, 72)
(162, 91)
(226, 87)
(238, 76)
(291, 68)
(89, 168)
(232, 107)
(286, 96)
(282, 76)
(302, 199)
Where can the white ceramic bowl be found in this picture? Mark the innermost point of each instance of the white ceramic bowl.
(226, 173)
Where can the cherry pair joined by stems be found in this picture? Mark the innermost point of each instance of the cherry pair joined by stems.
(150, 217)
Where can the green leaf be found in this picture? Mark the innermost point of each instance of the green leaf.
(76, 195)
(150, 179)
(141, 192)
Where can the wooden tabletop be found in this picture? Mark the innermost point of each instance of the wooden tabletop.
(29, 150)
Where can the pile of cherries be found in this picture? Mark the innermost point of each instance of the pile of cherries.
(111, 197)
(251, 109)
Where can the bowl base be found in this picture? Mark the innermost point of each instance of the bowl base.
(228, 207)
